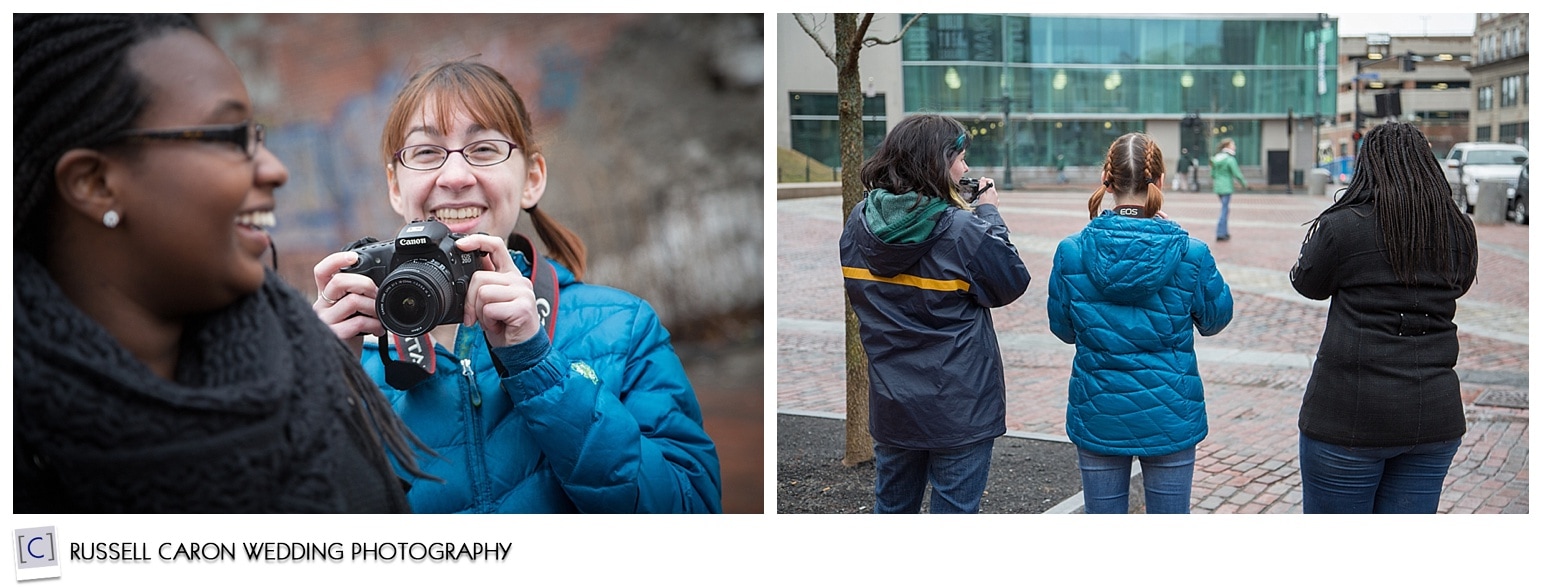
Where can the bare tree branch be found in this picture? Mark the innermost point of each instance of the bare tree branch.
(813, 33)
(871, 41)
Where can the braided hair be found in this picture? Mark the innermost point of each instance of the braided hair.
(74, 88)
(1396, 172)
(1134, 162)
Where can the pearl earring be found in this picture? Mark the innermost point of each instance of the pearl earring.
(110, 219)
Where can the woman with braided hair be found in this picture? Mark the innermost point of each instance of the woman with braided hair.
(1382, 415)
(1129, 291)
(159, 366)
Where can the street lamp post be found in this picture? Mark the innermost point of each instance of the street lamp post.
(1008, 139)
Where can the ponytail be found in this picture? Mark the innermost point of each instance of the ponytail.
(561, 243)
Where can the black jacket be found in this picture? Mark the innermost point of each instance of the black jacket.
(1384, 372)
(934, 367)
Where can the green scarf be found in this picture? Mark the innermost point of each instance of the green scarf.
(896, 219)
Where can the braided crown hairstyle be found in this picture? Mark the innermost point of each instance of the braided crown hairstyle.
(73, 89)
(1134, 162)
(915, 157)
(1419, 222)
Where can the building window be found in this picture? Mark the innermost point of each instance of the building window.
(815, 126)
(1483, 134)
(1508, 132)
(1509, 91)
(1486, 98)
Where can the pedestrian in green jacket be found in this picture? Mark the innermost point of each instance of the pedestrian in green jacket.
(1225, 174)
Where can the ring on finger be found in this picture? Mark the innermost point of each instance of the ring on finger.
(323, 296)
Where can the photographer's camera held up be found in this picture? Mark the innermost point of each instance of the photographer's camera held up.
(923, 267)
(540, 393)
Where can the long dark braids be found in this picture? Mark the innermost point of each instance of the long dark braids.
(1396, 172)
(1134, 163)
(74, 88)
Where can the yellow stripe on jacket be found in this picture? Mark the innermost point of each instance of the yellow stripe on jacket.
(857, 273)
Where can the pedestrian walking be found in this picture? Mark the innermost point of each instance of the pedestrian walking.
(922, 269)
(1129, 291)
(1225, 174)
(1185, 164)
(1382, 416)
(1060, 168)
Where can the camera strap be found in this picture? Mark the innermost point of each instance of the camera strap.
(416, 356)
(543, 280)
(416, 360)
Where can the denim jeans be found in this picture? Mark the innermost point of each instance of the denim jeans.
(1373, 480)
(1220, 226)
(1169, 479)
(957, 476)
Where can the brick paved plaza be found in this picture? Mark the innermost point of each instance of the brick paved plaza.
(1255, 371)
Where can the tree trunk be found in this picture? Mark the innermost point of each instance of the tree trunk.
(848, 44)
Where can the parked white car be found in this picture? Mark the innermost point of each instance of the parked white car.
(1470, 163)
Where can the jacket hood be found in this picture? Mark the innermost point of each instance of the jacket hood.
(1130, 258)
(897, 235)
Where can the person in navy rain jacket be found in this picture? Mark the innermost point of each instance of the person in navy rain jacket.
(1129, 291)
(595, 417)
(923, 268)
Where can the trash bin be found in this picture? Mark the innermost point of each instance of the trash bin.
(1317, 183)
(1490, 208)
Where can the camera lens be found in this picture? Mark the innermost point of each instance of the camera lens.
(414, 298)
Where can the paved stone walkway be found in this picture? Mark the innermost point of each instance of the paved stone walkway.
(1254, 371)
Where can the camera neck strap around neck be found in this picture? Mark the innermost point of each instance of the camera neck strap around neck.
(415, 355)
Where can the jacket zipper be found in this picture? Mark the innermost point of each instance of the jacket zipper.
(478, 446)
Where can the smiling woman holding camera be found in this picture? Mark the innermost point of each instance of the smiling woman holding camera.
(159, 367)
(550, 395)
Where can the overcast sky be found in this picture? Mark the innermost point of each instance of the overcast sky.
(1355, 25)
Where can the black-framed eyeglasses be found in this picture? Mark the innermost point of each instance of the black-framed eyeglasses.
(478, 153)
(246, 134)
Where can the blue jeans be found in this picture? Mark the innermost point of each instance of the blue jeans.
(1169, 479)
(957, 476)
(1373, 480)
(1220, 226)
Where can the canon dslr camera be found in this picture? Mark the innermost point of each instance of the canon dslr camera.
(421, 275)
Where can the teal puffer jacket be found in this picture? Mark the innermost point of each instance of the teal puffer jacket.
(1129, 293)
(604, 420)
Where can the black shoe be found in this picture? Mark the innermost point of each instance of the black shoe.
(1223, 238)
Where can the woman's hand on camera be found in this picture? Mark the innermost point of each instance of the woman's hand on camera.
(989, 196)
(499, 298)
(346, 302)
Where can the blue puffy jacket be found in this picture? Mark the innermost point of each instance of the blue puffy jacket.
(603, 421)
(1129, 292)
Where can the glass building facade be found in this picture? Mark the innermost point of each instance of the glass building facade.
(815, 122)
(1069, 85)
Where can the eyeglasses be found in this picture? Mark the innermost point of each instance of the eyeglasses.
(246, 134)
(479, 153)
